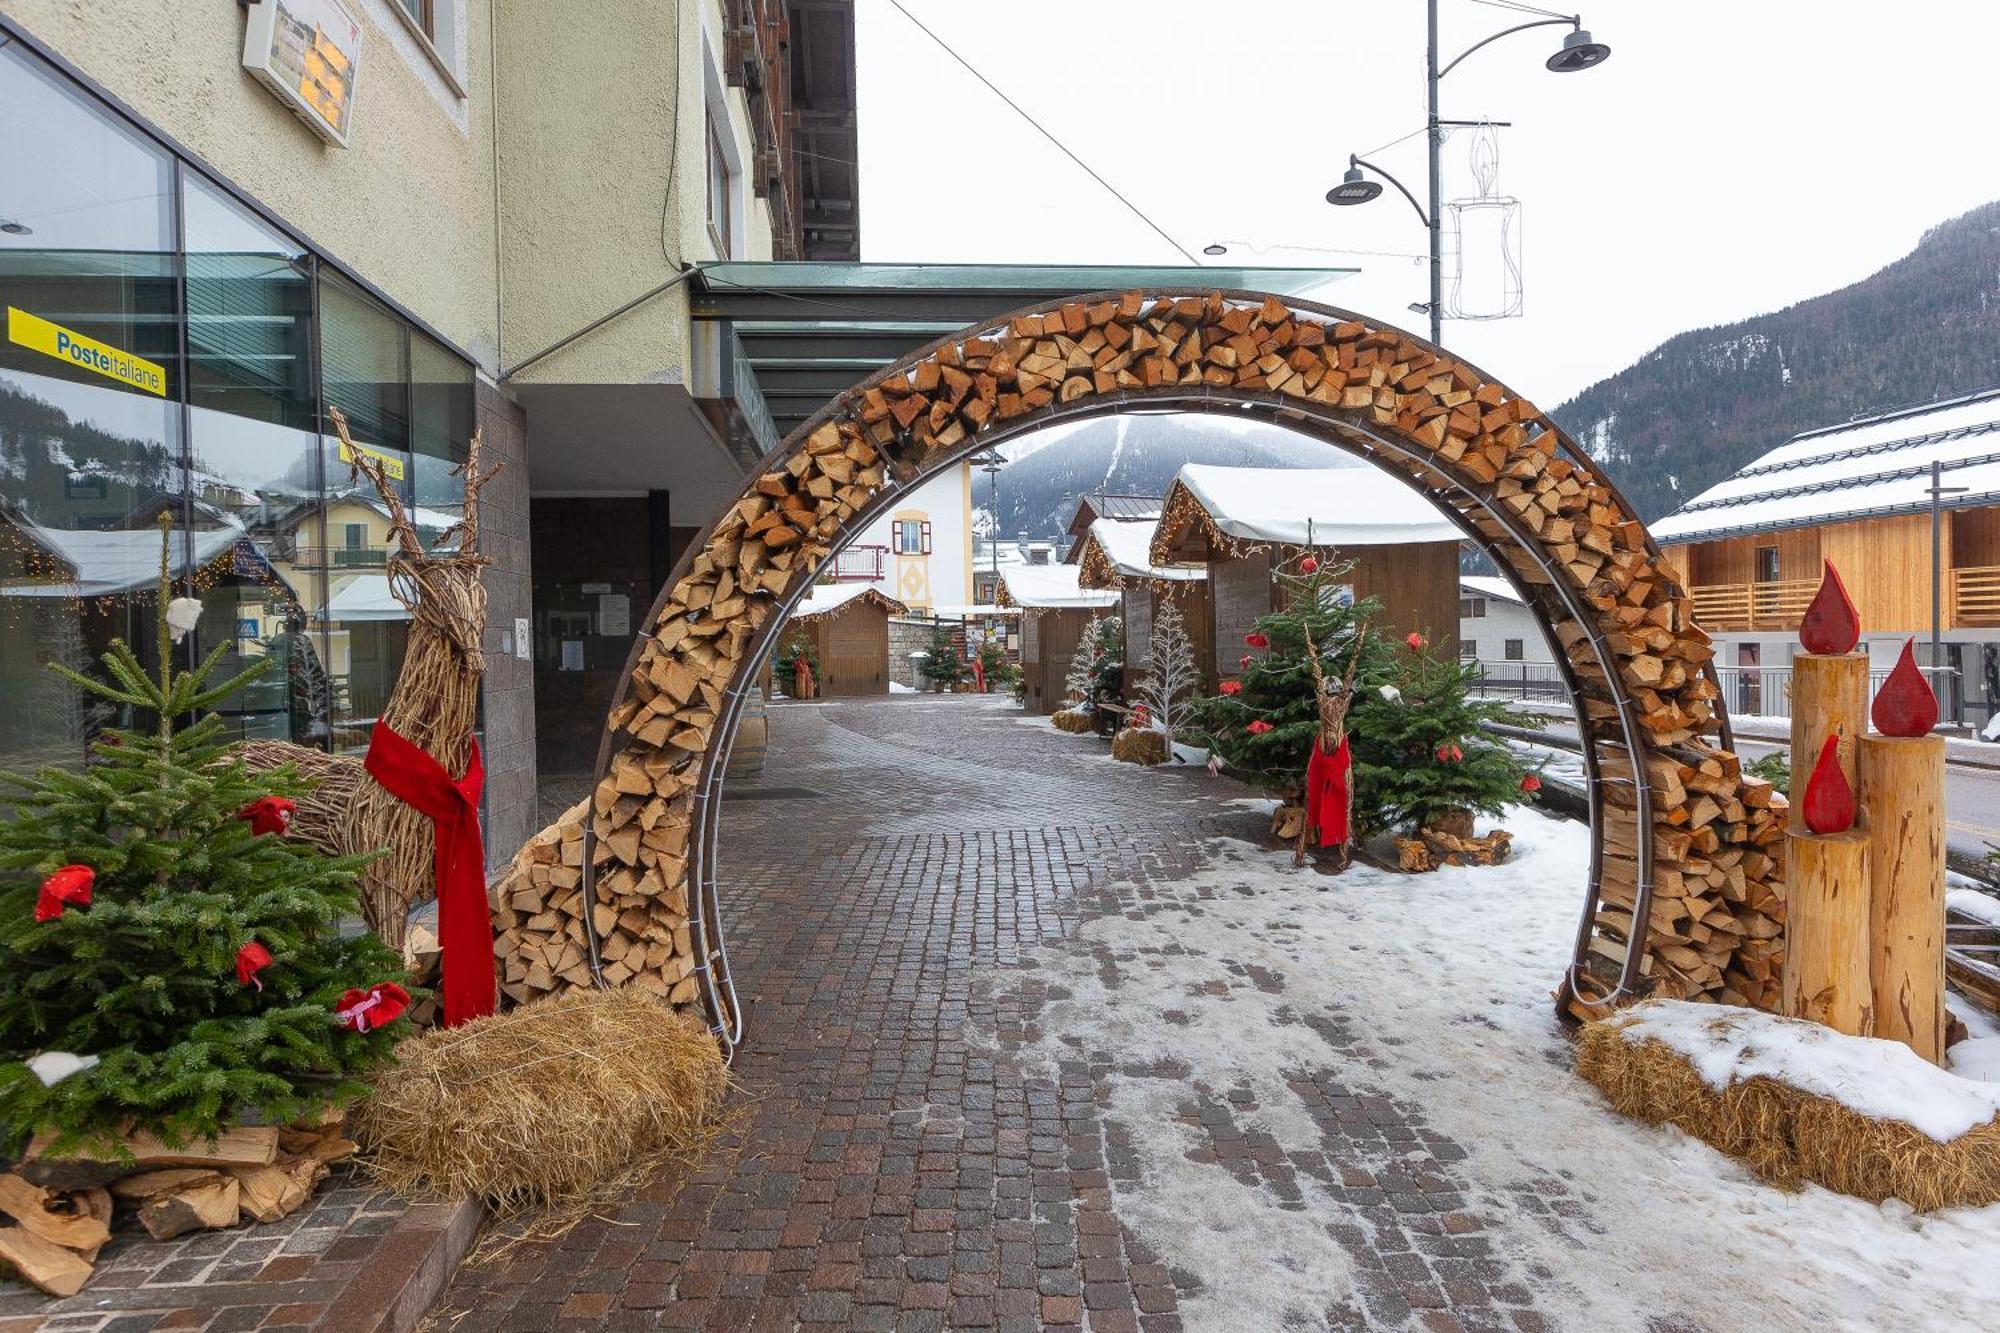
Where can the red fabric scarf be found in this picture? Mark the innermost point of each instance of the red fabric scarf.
(465, 924)
(1326, 792)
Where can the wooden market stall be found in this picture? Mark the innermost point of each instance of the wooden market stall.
(1055, 607)
(848, 626)
(1242, 523)
(1116, 555)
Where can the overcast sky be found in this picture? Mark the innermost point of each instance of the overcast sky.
(1729, 159)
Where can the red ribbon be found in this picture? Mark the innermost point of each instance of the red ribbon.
(71, 884)
(1326, 792)
(465, 924)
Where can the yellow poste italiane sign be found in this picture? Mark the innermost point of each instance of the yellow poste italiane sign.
(100, 358)
(391, 465)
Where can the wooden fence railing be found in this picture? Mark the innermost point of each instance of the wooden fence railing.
(1753, 606)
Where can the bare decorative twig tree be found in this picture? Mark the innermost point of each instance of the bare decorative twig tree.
(1171, 676)
(1080, 685)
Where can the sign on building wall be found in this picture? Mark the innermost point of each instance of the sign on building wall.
(308, 53)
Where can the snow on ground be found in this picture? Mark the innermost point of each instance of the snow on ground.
(1446, 979)
(898, 687)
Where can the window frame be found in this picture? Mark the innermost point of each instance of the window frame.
(1514, 650)
(721, 188)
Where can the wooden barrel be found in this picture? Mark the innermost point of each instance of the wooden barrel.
(753, 737)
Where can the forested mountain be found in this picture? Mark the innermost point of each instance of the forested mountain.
(1706, 402)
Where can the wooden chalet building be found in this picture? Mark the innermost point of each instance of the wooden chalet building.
(1055, 608)
(1749, 550)
(1118, 508)
(1242, 523)
(1117, 554)
(848, 624)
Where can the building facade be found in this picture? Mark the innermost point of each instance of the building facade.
(220, 223)
(1751, 550)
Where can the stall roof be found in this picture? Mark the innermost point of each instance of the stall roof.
(1118, 549)
(807, 331)
(1052, 588)
(1489, 585)
(115, 560)
(826, 598)
(1349, 506)
(1877, 465)
(365, 597)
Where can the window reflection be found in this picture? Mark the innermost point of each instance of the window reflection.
(90, 450)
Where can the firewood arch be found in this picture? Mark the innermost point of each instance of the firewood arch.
(640, 851)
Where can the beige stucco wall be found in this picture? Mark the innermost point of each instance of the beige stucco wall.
(408, 205)
(585, 231)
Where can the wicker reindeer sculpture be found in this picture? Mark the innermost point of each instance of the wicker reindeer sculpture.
(1329, 773)
(433, 706)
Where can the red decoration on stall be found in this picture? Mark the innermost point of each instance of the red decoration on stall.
(1905, 705)
(1310, 565)
(71, 884)
(1415, 641)
(1831, 625)
(1530, 783)
(1829, 801)
(251, 959)
(1326, 792)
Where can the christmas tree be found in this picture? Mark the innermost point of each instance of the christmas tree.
(1107, 659)
(1266, 719)
(1422, 756)
(941, 666)
(1167, 688)
(170, 962)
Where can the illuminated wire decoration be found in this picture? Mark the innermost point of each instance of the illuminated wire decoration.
(1484, 241)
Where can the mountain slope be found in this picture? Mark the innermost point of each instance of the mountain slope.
(1132, 454)
(1705, 403)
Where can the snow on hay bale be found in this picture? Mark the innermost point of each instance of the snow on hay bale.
(1797, 1101)
(1139, 745)
(545, 1104)
(1073, 720)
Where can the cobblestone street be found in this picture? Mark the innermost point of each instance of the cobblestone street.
(894, 883)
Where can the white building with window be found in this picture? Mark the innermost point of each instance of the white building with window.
(1496, 629)
(920, 552)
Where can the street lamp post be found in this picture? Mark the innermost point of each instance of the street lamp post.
(1938, 490)
(1578, 52)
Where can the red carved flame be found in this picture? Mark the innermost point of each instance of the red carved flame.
(1831, 624)
(1905, 705)
(1829, 803)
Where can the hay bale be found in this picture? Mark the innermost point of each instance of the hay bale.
(1139, 745)
(546, 1104)
(1068, 719)
(1786, 1134)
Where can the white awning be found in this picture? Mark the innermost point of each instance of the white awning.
(1053, 587)
(365, 597)
(116, 561)
(1127, 544)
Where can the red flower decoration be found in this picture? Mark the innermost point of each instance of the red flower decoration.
(1309, 565)
(1258, 728)
(1232, 687)
(268, 814)
(366, 1010)
(71, 884)
(1245, 661)
(251, 959)
(1415, 641)
(1256, 640)
(1530, 783)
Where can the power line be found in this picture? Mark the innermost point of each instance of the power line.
(1136, 211)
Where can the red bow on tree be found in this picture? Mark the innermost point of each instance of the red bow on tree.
(1530, 783)
(251, 959)
(366, 1010)
(71, 884)
(1415, 641)
(1449, 754)
(1309, 565)
(1232, 687)
(1258, 728)
(1245, 661)
(268, 814)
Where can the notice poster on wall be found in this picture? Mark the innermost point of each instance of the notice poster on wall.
(572, 654)
(614, 615)
(308, 53)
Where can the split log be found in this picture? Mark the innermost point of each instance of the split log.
(42, 1264)
(269, 1193)
(34, 1208)
(242, 1145)
(202, 1206)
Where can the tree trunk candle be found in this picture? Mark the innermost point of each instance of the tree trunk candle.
(1902, 786)
(1829, 684)
(1826, 975)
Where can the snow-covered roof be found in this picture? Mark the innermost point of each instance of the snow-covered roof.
(1125, 547)
(1348, 506)
(1878, 465)
(1050, 588)
(826, 598)
(972, 610)
(1488, 585)
(107, 561)
(365, 597)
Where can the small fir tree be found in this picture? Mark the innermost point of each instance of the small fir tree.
(941, 665)
(799, 647)
(1266, 719)
(1167, 689)
(1423, 757)
(999, 672)
(169, 961)
(1107, 661)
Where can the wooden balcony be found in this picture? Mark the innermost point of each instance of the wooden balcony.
(1757, 606)
(1974, 597)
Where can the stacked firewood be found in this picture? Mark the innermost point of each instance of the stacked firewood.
(1466, 441)
(61, 1209)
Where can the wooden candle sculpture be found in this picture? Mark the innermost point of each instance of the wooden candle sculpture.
(1826, 976)
(1829, 681)
(1902, 788)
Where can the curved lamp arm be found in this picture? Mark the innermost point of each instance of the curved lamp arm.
(1575, 21)
(1354, 161)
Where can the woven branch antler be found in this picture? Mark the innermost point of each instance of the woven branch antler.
(467, 528)
(407, 541)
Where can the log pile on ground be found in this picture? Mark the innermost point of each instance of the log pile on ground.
(546, 1104)
(1139, 745)
(59, 1210)
(1780, 1094)
(1712, 930)
(1432, 848)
